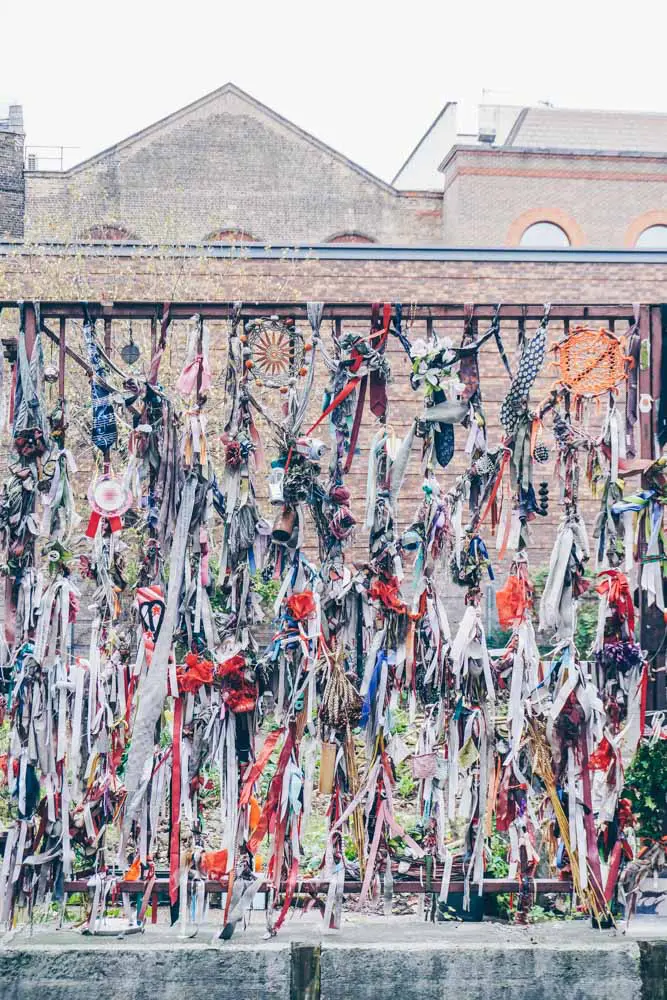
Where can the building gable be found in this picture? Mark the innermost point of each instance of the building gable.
(226, 162)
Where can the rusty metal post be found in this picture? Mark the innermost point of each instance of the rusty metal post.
(107, 336)
(652, 622)
(61, 356)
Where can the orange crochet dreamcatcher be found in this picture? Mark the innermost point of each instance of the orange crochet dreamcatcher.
(591, 362)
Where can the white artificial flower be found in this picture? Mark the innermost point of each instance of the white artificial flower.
(418, 348)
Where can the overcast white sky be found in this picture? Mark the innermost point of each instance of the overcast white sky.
(365, 76)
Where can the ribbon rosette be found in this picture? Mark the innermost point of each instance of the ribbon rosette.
(109, 498)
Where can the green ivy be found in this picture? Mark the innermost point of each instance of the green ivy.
(646, 787)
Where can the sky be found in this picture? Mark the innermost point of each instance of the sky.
(365, 77)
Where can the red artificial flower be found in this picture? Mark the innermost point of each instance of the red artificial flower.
(387, 593)
(193, 674)
(239, 691)
(301, 606)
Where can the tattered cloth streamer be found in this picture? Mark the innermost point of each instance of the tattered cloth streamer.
(661, 429)
(160, 346)
(314, 312)
(469, 653)
(29, 417)
(469, 353)
(373, 378)
(652, 582)
(60, 517)
(105, 432)
(153, 688)
(196, 374)
(633, 341)
(281, 819)
(234, 373)
(558, 602)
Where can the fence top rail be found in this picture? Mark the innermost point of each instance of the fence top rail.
(330, 251)
(576, 312)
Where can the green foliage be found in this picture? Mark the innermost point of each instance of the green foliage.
(587, 623)
(497, 866)
(646, 787)
(399, 721)
(406, 786)
(267, 589)
(498, 638)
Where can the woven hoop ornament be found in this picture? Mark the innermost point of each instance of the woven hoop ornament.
(275, 352)
(591, 361)
(109, 498)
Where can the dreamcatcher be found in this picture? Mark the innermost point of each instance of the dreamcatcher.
(591, 362)
(275, 352)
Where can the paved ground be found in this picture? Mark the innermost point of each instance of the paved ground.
(357, 930)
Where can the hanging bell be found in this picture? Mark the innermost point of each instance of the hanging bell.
(130, 352)
(50, 373)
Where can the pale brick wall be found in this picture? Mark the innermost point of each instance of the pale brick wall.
(227, 164)
(598, 198)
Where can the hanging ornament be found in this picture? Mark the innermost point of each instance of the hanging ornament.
(591, 361)
(130, 351)
(274, 351)
(109, 498)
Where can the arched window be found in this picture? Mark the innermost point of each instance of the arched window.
(653, 238)
(544, 235)
(230, 236)
(351, 237)
(108, 232)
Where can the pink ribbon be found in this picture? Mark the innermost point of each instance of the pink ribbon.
(187, 380)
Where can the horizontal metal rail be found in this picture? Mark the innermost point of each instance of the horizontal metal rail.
(307, 886)
(361, 311)
(331, 251)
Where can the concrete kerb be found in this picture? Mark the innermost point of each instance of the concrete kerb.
(368, 959)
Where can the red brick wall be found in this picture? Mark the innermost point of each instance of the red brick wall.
(491, 196)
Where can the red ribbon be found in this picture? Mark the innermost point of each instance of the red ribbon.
(115, 523)
(614, 585)
(259, 765)
(267, 821)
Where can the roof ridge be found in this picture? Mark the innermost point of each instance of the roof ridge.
(226, 88)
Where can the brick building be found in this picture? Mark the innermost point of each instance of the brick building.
(12, 180)
(227, 168)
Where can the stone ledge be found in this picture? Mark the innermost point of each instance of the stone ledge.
(369, 959)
